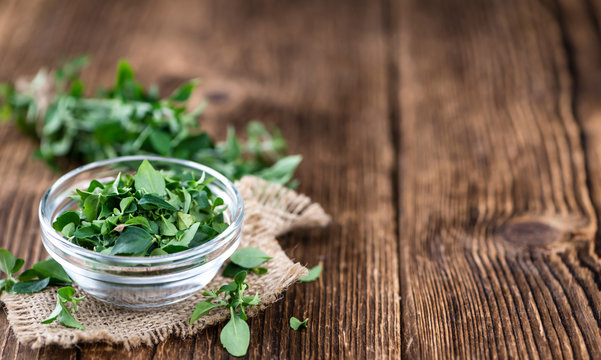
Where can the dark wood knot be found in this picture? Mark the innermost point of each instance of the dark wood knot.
(531, 233)
(217, 97)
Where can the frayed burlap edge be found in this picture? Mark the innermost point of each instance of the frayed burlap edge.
(270, 211)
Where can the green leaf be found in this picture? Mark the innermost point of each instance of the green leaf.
(249, 257)
(52, 269)
(235, 336)
(114, 188)
(124, 73)
(184, 221)
(201, 309)
(281, 172)
(65, 318)
(158, 252)
(153, 200)
(184, 242)
(28, 275)
(313, 274)
(240, 277)
(7, 261)
(86, 232)
(296, 324)
(160, 141)
(139, 220)
(68, 217)
(91, 207)
(183, 92)
(260, 270)
(133, 240)
(54, 314)
(232, 269)
(28, 287)
(18, 265)
(62, 312)
(167, 228)
(125, 205)
(189, 234)
(251, 300)
(149, 180)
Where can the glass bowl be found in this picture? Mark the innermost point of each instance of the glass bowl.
(139, 282)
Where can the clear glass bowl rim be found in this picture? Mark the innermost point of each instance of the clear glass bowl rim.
(202, 250)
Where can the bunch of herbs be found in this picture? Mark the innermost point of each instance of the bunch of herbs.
(127, 119)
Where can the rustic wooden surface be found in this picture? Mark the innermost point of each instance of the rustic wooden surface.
(456, 143)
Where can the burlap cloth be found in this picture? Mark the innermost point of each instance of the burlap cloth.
(270, 211)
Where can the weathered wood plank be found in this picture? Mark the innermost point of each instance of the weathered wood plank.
(495, 205)
(316, 69)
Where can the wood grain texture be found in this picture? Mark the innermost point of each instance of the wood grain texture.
(316, 69)
(501, 199)
(456, 143)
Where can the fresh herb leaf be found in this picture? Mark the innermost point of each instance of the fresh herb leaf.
(52, 269)
(156, 201)
(133, 240)
(61, 312)
(313, 274)
(249, 257)
(201, 309)
(18, 265)
(296, 324)
(149, 180)
(33, 286)
(235, 336)
(232, 269)
(7, 262)
(68, 217)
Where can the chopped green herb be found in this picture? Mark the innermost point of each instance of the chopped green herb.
(313, 274)
(296, 324)
(151, 213)
(235, 335)
(62, 312)
(128, 119)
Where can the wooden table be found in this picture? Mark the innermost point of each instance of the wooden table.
(456, 143)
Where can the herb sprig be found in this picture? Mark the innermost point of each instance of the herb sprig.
(127, 119)
(65, 295)
(235, 335)
(150, 213)
(41, 275)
